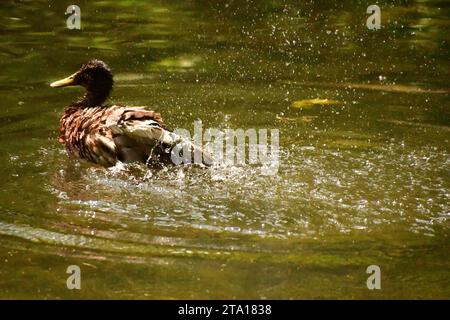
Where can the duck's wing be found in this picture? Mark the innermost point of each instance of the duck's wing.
(140, 135)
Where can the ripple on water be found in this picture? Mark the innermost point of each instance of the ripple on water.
(332, 191)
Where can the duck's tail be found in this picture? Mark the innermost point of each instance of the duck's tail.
(147, 140)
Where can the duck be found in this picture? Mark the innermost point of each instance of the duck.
(110, 134)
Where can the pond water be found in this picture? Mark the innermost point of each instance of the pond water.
(364, 169)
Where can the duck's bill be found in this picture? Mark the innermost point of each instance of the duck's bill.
(69, 81)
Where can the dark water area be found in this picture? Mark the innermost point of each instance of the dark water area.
(363, 179)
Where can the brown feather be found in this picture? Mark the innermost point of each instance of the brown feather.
(86, 132)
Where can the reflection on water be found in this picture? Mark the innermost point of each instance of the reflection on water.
(363, 177)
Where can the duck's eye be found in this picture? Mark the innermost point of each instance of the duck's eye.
(83, 77)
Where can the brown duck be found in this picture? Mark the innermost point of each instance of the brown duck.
(108, 134)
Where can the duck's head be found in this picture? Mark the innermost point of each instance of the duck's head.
(95, 76)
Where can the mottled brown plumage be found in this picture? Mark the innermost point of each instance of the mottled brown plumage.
(108, 134)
